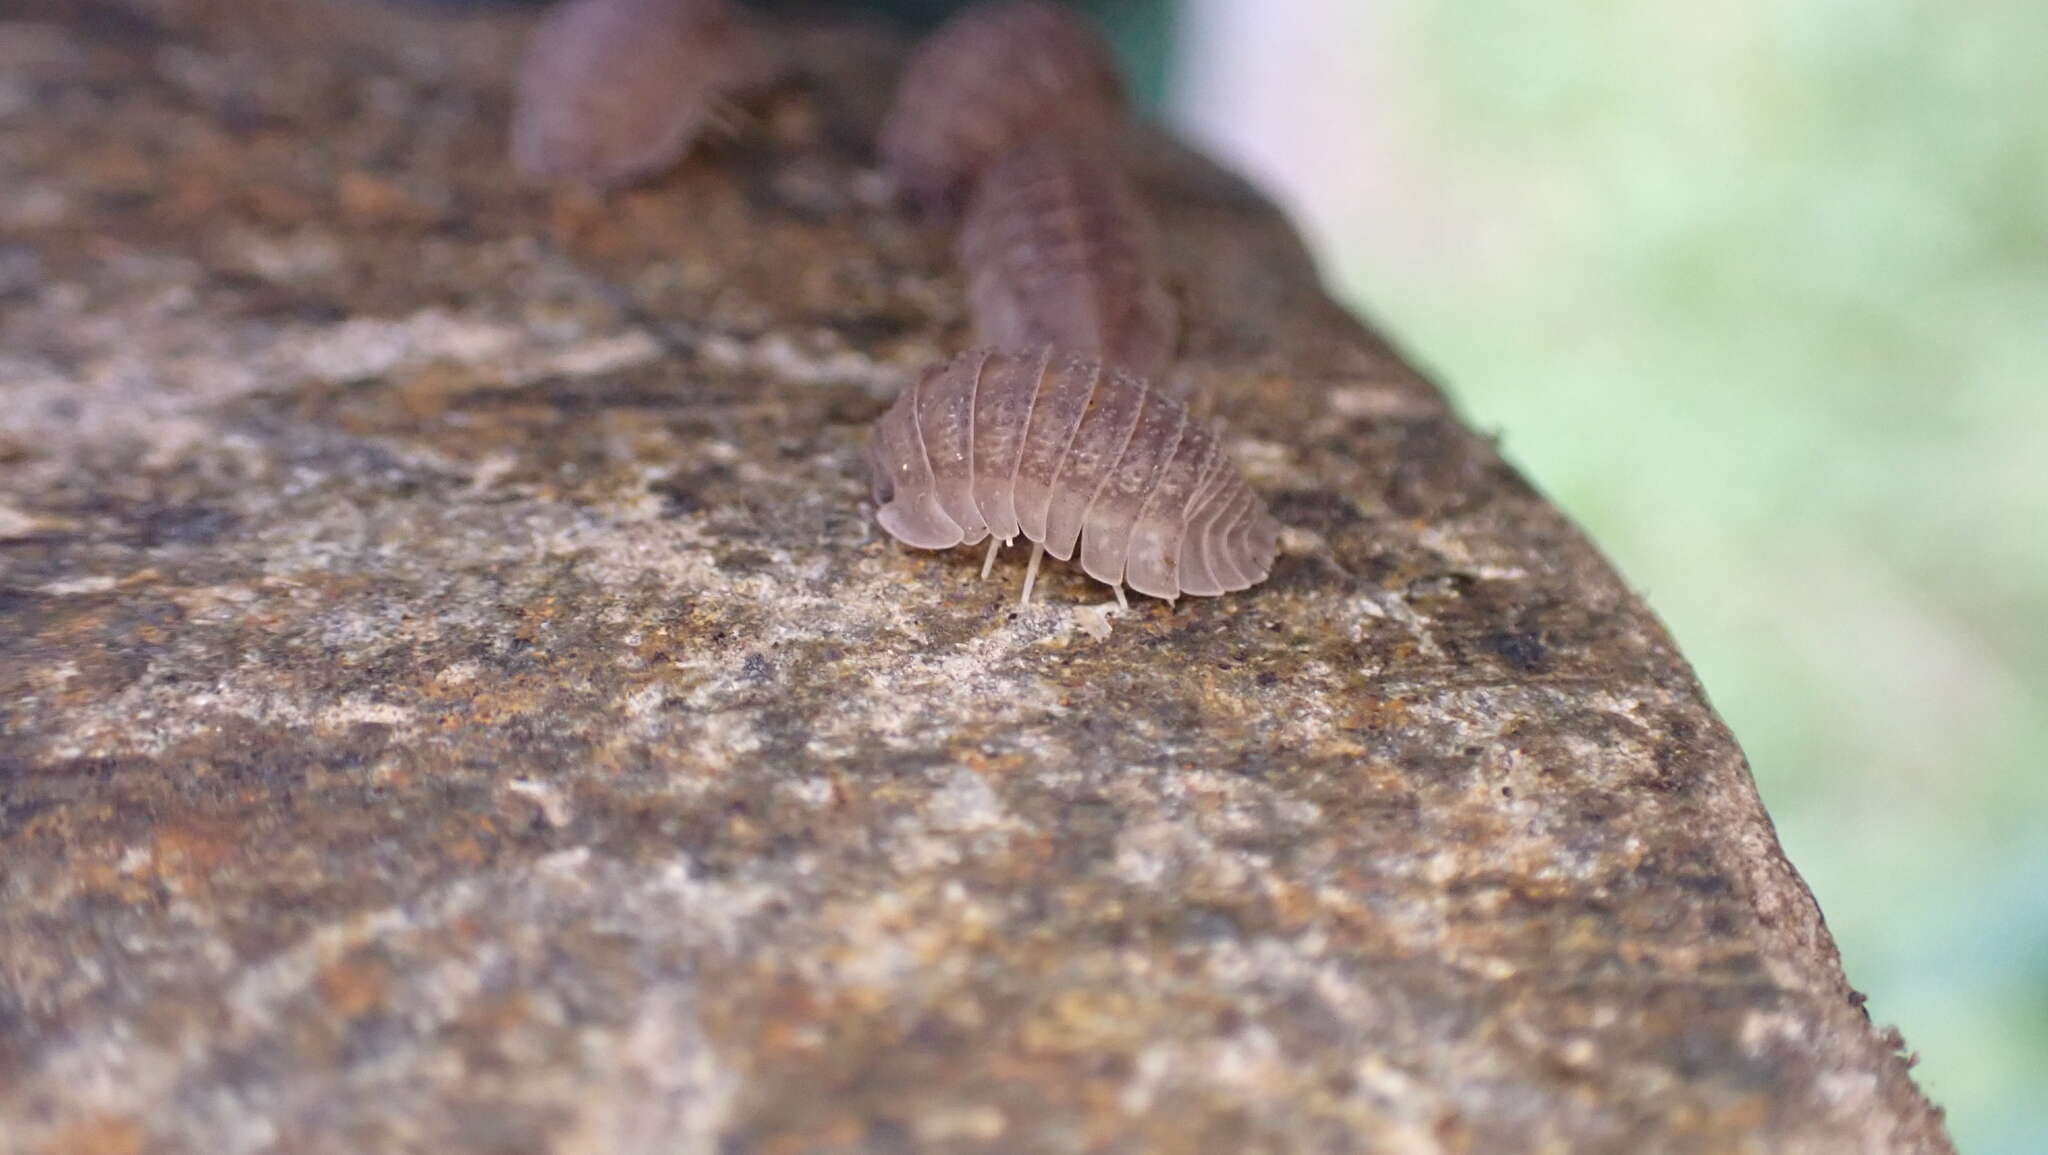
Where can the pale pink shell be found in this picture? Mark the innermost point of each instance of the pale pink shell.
(1072, 455)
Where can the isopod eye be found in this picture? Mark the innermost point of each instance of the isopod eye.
(880, 483)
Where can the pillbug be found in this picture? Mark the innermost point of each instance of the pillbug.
(1057, 250)
(992, 76)
(1067, 452)
(613, 91)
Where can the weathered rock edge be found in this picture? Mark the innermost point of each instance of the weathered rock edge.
(452, 697)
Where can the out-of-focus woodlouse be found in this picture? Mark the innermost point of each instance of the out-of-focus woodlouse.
(1067, 453)
(991, 77)
(613, 91)
(1058, 250)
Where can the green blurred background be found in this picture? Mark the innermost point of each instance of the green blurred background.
(1758, 291)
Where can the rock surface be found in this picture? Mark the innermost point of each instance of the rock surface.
(453, 697)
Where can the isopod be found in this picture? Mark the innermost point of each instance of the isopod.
(613, 91)
(1058, 250)
(990, 77)
(1067, 452)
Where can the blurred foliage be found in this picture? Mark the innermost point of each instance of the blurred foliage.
(1767, 310)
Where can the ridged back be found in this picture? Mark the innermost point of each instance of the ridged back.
(614, 90)
(1057, 249)
(992, 76)
(1076, 456)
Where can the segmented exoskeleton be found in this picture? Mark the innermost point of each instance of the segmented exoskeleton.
(1069, 454)
(1058, 250)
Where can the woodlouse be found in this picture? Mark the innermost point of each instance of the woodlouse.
(612, 91)
(992, 76)
(1058, 250)
(1065, 451)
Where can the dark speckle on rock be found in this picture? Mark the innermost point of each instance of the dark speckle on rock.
(744, 561)
(1318, 510)
(869, 330)
(1440, 585)
(1523, 651)
(189, 525)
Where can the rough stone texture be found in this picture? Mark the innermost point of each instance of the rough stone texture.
(453, 697)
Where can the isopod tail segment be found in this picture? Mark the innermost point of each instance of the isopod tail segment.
(997, 73)
(1086, 462)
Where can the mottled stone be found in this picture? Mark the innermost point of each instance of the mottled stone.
(453, 696)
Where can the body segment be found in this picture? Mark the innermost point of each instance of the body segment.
(1057, 249)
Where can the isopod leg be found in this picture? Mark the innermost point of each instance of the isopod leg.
(1031, 572)
(1121, 601)
(988, 563)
